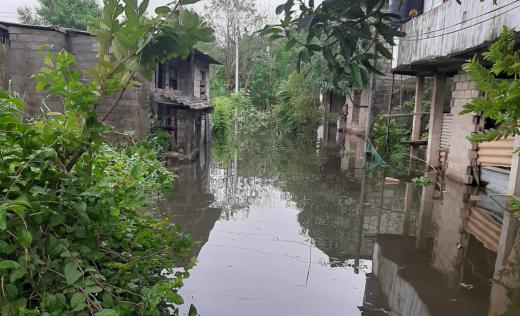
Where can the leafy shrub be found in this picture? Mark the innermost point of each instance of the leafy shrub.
(501, 96)
(72, 238)
(221, 117)
(297, 111)
(392, 150)
(249, 118)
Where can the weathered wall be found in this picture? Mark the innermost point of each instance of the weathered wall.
(24, 57)
(199, 68)
(430, 4)
(462, 153)
(358, 102)
(453, 28)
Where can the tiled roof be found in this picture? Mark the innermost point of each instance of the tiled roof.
(179, 99)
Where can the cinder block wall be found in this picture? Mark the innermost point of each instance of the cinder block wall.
(462, 153)
(360, 99)
(24, 58)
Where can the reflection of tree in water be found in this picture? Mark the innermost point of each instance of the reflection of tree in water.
(310, 176)
(240, 177)
(328, 200)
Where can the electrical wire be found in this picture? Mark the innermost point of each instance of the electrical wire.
(461, 29)
(470, 19)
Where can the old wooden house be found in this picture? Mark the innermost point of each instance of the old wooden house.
(178, 100)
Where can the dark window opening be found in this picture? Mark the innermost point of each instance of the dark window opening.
(167, 116)
(4, 37)
(173, 78)
(160, 77)
(203, 94)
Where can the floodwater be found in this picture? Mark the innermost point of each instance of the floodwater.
(280, 230)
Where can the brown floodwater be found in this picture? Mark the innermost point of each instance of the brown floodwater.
(279, 230)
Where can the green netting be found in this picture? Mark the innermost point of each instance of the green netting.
(373, 158)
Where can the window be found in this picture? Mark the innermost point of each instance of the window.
(159, 77)
(4, 36)
(203, 94)
(173, 77)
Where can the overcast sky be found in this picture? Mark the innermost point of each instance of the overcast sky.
(8, 7)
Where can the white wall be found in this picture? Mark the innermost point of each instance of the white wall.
(451, 28)
(430, 4)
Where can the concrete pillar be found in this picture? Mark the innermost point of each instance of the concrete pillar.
(435, 126)
(510, 223)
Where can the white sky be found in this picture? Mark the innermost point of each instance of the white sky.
(8, 7)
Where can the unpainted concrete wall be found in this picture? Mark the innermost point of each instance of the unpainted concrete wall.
(360, 99)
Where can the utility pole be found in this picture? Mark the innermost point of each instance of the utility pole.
(237, 62)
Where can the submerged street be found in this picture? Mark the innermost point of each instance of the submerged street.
(278, 230)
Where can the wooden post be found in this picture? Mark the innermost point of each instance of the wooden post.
(434, 137)
(418, 108)
(509, 223)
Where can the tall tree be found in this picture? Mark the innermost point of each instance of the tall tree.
(342, 31)
(66, 13)
(235, 20)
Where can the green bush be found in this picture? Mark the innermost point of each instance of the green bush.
(248, 117)
(297, 111)
(391, 149)
(221, 117)
(73, 240)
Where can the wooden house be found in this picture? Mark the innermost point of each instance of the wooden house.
(180, 103)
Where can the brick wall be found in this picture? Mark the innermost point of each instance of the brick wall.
(462, 153)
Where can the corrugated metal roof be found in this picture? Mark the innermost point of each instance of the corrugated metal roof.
(179, 99)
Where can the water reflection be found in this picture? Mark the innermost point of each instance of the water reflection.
(282, 232)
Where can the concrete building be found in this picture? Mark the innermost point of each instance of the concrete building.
(437, 43)
(178, 99)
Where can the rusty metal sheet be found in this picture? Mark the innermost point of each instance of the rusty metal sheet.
(497, 153)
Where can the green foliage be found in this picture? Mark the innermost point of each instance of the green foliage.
(297, 111)
(131, 43)
(73, 237)
(221, 117)
(249, 119)
(342, 31)
(502, 96)
(65, 13)
(387, 141)
(422, 181)
(271, 68)
(217, 82)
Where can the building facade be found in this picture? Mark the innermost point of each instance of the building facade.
(178, 99)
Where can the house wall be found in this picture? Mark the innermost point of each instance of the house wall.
(453, 28)
(25, 55)
(462, 154)
(199, 67)
(25, 58)
(430, 4)
(358, 102)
